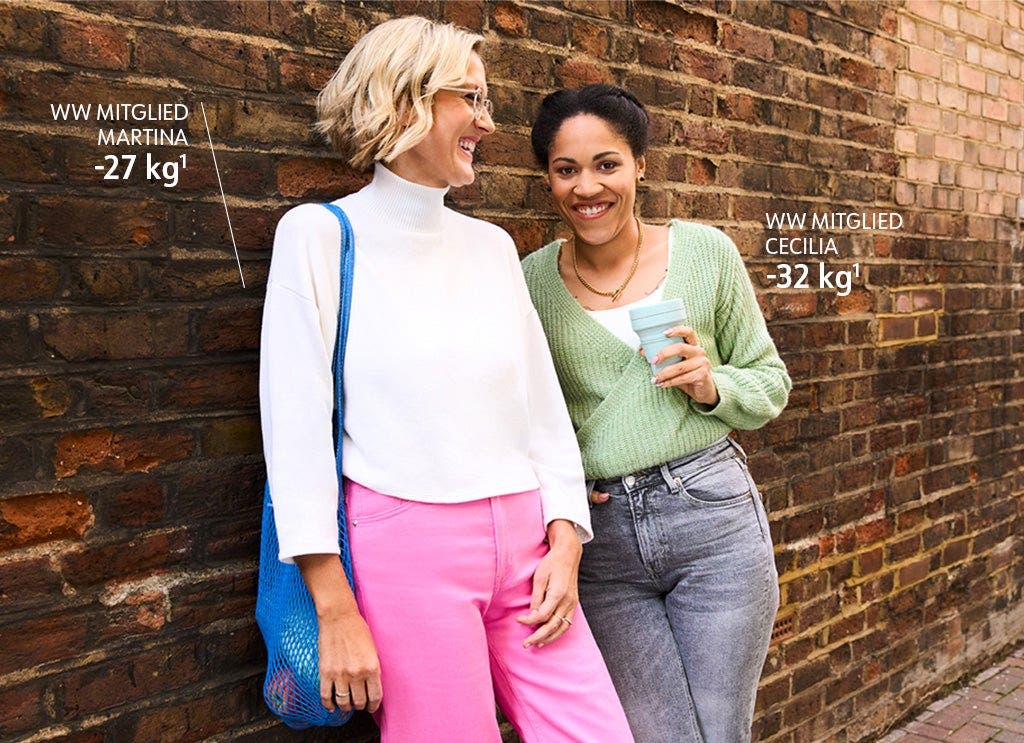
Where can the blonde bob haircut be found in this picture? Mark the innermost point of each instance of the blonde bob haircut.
(379, 102)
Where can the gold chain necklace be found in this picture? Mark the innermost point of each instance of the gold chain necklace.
(636, 262)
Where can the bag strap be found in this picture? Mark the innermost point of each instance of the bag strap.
(347, 262)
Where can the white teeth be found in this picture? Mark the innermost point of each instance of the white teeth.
(467, 144)
(590, 211)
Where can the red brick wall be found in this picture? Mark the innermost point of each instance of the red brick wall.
(130, 465)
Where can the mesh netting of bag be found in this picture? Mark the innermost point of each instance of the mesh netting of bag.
(287, 618)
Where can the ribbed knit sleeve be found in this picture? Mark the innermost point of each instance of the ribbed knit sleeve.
(752, 382)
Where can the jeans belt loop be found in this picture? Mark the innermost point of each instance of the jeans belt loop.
(673, 483)
(737, 448)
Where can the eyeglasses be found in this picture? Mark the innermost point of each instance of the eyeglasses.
(480, 102)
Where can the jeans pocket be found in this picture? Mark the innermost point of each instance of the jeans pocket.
(366, 506)
(720, 483)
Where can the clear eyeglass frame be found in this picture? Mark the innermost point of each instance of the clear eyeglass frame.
(480, 102)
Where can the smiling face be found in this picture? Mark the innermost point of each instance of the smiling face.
(593, 176)
(445, 156)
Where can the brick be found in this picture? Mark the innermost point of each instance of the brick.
(467, 14)
(231, 437)
(205, 225)
(28, 158)
(205, 279)
(212, 61)
(278, 21)
(43, 517)
(28, 279)
(22, 709)
(676, 21)
(317, 178)
(589, 38)
(210, 386)
(229, 329)
(509, 19)
(749, 41)
(28, 583)
(85, 43)
(103, 450)
(241, 174)
(105, 282)
(575, 72)
(143, 555)
(102, 686)
(23, 30)
(71, 221)
(526, 66)
(39, 639)
(135, 502)
(116, 335)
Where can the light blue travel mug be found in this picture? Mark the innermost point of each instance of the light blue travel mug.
(651, 322)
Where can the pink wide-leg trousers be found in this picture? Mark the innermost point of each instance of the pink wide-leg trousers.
(440, 586)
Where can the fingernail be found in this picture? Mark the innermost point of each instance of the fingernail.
(654, 380)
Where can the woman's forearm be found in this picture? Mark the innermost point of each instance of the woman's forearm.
(325, 579)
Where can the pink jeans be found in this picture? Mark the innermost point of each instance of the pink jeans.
(440, 586)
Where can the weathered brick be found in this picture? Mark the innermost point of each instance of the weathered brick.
(41, 638)
(28, 158)
(677, 21)
(143, 555)
(229, 329)
(748, 41)
(509, 19)
(103, 450)
(72, 221)
(43, 517)
(27, 583)
(135, 502)
(102, 686)
(213, 61)
(121, 335)
(22, 709)
(206, 386)
(86, 43)
(25, 279)
(287, 21)
(205, 225)
(317, 178)
(575, 72)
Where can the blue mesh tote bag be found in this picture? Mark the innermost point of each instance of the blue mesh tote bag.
(284, 609)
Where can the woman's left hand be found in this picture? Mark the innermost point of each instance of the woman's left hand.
(555, 593)
(693, 374)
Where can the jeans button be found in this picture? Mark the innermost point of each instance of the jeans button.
(630, 481)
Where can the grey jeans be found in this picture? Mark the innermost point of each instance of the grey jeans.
(680, 589)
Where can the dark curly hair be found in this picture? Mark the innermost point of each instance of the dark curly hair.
(619, 108)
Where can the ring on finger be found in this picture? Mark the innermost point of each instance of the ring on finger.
(564, 619)
(342, 694)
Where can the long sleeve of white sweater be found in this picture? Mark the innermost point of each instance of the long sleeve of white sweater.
(450, 392)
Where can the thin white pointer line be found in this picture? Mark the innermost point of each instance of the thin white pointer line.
(223, 198)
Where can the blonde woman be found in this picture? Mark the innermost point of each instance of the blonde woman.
(463, 482)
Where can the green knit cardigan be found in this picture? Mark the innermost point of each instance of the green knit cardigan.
(623, 422)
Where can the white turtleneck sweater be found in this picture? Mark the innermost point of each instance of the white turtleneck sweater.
(450, 392)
